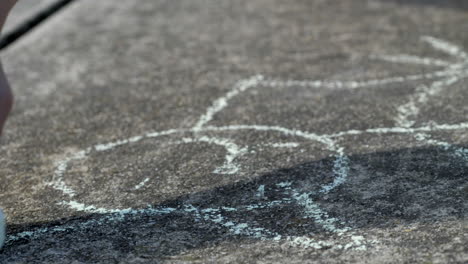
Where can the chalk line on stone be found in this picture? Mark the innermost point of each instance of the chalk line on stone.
(450, 74)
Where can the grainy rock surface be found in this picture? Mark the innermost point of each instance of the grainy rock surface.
(204, 131)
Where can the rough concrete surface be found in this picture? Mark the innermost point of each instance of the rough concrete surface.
(204, 131)
(23, 11)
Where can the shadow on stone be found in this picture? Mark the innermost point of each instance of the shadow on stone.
(455, 4)
(384, 189)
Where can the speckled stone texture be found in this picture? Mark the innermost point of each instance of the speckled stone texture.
(260, 131)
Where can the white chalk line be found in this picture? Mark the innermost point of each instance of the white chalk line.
(113, 217)
(340, 169)
(446, 47)
(451, 74)
(423, 92)
(341, 162)
(350, 85)
(311, 208)
(458, 152)
(235, 227)
(281, 145)
(258, 80)
(401, 130)
(210, 214)
(410, 59)
(323, 139)
(241, 228)
(233, 152)
(229, 167)
(411, 109)
(222, 102)
(438, 44)
(405, 111)
(232, 149)
(454, 72)
(141, 184)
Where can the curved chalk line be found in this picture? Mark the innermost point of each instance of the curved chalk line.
(451, 73)
(304, 199)
(410, 110)
(214, 213)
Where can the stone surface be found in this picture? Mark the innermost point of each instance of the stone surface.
(201, 131)
(24, 10)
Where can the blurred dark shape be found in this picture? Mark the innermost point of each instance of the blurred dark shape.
(455, 4)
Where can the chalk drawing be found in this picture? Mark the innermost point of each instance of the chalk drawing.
(141, 184)
(455, 72)
(440, 79)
